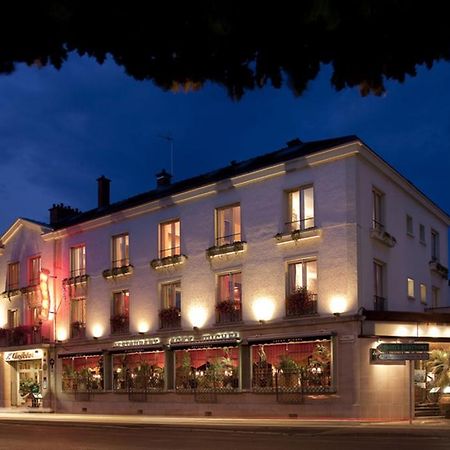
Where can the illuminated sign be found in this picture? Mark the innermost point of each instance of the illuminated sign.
(45, 294)
(137, 342)
(204, 338)
(23, 355)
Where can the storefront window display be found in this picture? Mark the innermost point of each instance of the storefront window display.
(141, 371)
(207, 369)
(82, 373)
(304, 366)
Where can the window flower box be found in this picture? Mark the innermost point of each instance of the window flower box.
(78, 329)
(297, 235)
(80, 279)
(300, 303)
(170, 317)
(383, 236)
(119, 324)
(228, 312)
(118, 272)
(168, 261)
(218, 250)
(440, 269)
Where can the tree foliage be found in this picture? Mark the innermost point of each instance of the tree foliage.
(241, 45)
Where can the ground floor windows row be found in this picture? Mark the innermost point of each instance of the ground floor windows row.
(305, 366)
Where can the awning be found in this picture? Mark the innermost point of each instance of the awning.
(80, 354)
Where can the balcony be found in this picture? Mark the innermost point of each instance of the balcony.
(379, 233)
(22, 335)
(301, 303)
(170, 318)
(168, 262)
(120, 324)
(226, 249)
(116, 272)
(379, 303)
(438, 268)
(228, 312)
(77, 330)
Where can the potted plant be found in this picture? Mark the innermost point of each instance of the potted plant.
(4, 334)
(170, 317)
(289, 371)
(228, 311)
(20, 335)
(439, 366)
(119, 323)
(300, 302)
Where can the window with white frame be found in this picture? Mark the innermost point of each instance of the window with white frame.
(78, 261)
(422, 233)
(302, 274)
(12, 277)
(169, 239)
(120, 251)
(435, 296)
(434, 245)
(377, 210)
(228, 225)
(409, 225)
(410, 288)
(301, 209)
(34, 270)
(423, 293)
(171, 295)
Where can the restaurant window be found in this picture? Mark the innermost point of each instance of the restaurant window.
(228, 225)
(304, 366)
(77, 317)
(139, 372)
(380, 302)
(12, 277)
(410, 287)
(169, 239)
(301, 209)
(78, 261)
(170, 312)
(34, 270)
(120, 312)
(434, 245)
(207, 369)
(229, 298)
(120, 251)
(82, 373)
(301, 295)
(423, 293)
(377, 210)
(13, 318)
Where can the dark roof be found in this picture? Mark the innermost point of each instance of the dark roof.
(295, 149)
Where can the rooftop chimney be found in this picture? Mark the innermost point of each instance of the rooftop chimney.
(103, 191)
(294, 142)
(61, 212)
(163, 178)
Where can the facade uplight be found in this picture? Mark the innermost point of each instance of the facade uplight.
(263, 308)
(97, 330)
(197, 316)
(338, 304)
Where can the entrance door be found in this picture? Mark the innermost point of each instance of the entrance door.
(29, 379)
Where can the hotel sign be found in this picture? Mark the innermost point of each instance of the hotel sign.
(400, 352)
(23, 355)
(137, 342)
(400, 347)
(204, 338)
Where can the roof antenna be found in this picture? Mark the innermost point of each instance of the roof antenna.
(168, 137)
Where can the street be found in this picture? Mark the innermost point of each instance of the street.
(19, 435)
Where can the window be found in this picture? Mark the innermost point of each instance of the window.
(379, 282)
(34, 315)
(228, 225)
(120, 312)
(169, 239)
(12, 277)
(422, 233)
(82, 373)
(378, 210)
(423, 293)
(301, 209)
(34, 270)
(120, 255)
(409, 225)
(435, 297)
(410, 284)
(434, 245)
(229, 298)
(301, 298)
(78, 261)
(13, 318)
(171, 295)
(78, 316)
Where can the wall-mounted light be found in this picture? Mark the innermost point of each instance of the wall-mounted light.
(338, 305)
(97, 331)
(61, 334)
(263, 309)
(143, 327)
(197, 315)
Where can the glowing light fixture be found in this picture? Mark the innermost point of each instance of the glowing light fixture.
(97, 331)
(263, 308)
(61, 334)
(338, 304)
(197, 316)
(143, 327)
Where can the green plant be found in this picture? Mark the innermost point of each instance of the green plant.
(225, 307)
(287, 364)
(439, 366)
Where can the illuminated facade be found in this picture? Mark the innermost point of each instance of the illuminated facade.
(257, 289)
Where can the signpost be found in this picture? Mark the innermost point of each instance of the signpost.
(390, 352)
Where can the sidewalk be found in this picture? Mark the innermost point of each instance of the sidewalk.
(243, 424)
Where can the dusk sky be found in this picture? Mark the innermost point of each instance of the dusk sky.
(59, 131)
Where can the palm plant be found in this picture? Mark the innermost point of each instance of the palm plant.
(439, 366)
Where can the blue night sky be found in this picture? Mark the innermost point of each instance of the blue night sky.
(59, 131)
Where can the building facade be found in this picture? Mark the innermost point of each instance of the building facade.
(263, 288)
